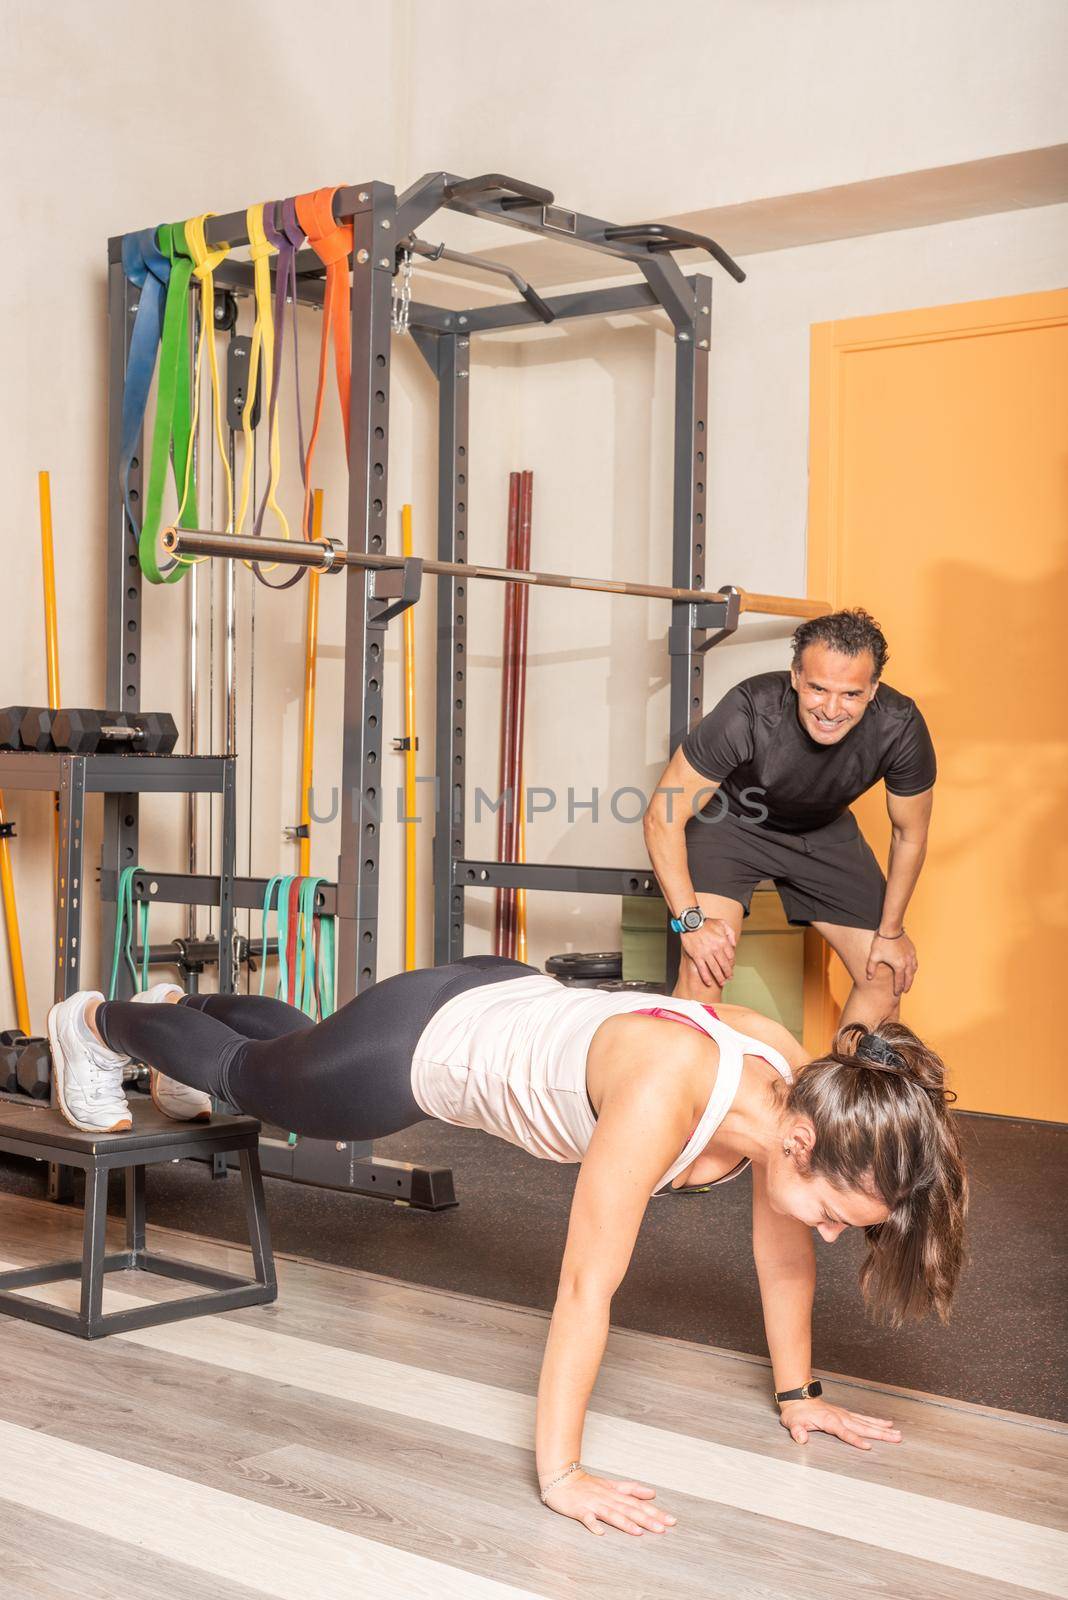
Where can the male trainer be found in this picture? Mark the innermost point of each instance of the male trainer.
(761, 788)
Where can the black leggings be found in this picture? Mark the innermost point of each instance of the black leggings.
(346, 1078)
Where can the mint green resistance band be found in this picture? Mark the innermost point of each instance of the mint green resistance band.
(124, 926)
(312, 984)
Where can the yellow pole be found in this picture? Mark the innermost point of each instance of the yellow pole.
(51, 617)
(409, 760)
(48, 567)
(14, 942)
(311, 645)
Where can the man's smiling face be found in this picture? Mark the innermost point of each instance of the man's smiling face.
(833, 691)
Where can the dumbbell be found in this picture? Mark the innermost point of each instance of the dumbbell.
(82, 732)
(34, 1068)
(25, 1064)
(11, 727)
(10, 1039)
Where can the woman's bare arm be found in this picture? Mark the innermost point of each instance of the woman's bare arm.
(646, 1113)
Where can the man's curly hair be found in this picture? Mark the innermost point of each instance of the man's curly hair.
(851, 633)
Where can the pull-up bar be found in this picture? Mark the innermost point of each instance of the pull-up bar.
(326, 556)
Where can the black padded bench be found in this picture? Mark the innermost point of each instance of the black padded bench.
(39, 1131)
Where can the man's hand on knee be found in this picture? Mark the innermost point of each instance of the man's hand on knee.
(896, 956)
(710, 951)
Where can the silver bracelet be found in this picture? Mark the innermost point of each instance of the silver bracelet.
(576, 1466)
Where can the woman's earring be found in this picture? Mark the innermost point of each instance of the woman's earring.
(787, 1149)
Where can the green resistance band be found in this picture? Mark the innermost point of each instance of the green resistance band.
(172, 433)
(124, 926)
(313, 982)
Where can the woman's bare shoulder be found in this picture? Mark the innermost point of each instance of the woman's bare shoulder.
(766, 1029)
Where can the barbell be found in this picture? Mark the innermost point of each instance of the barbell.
(324, 555)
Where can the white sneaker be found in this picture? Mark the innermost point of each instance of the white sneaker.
(174, 1099)
(87, 1074)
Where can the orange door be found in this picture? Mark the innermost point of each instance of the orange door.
(939, 500)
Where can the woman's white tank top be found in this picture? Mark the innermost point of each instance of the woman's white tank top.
(510, 1057)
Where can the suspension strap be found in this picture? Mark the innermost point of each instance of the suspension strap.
(205, 260)
(124, 926)
(332, 242)
(148, 269)
(172, 434)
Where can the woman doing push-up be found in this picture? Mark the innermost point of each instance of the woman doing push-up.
(651, 1099)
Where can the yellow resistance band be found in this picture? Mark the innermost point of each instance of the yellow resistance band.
(261, 360)
(205, 260)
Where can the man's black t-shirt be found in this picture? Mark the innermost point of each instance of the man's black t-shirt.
(752, 743)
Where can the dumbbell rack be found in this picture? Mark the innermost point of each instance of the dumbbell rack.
(120, 779)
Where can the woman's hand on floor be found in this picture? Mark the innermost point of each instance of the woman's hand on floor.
(802, 1417)
(621, 1504)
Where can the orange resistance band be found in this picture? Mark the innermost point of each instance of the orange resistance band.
(332, 242)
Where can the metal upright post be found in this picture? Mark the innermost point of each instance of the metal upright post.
(123, 636)
(227, 864)
(70, 890)
(374, 243)
(689, 521)
(453, 354)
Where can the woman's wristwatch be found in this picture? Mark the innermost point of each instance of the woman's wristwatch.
(688, 921)
(808, 1391)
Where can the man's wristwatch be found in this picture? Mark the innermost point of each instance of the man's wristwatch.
(808, 1391)
(688, 921)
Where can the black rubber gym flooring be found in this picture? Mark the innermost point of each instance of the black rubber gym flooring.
(692, 1275)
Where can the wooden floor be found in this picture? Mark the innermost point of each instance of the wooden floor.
(365, 1438)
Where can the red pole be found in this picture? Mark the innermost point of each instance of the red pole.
(505, 896)
(526, 506)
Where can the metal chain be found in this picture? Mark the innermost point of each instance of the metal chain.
(401, 304)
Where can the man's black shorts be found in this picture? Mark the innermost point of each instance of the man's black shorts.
(828, 875)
